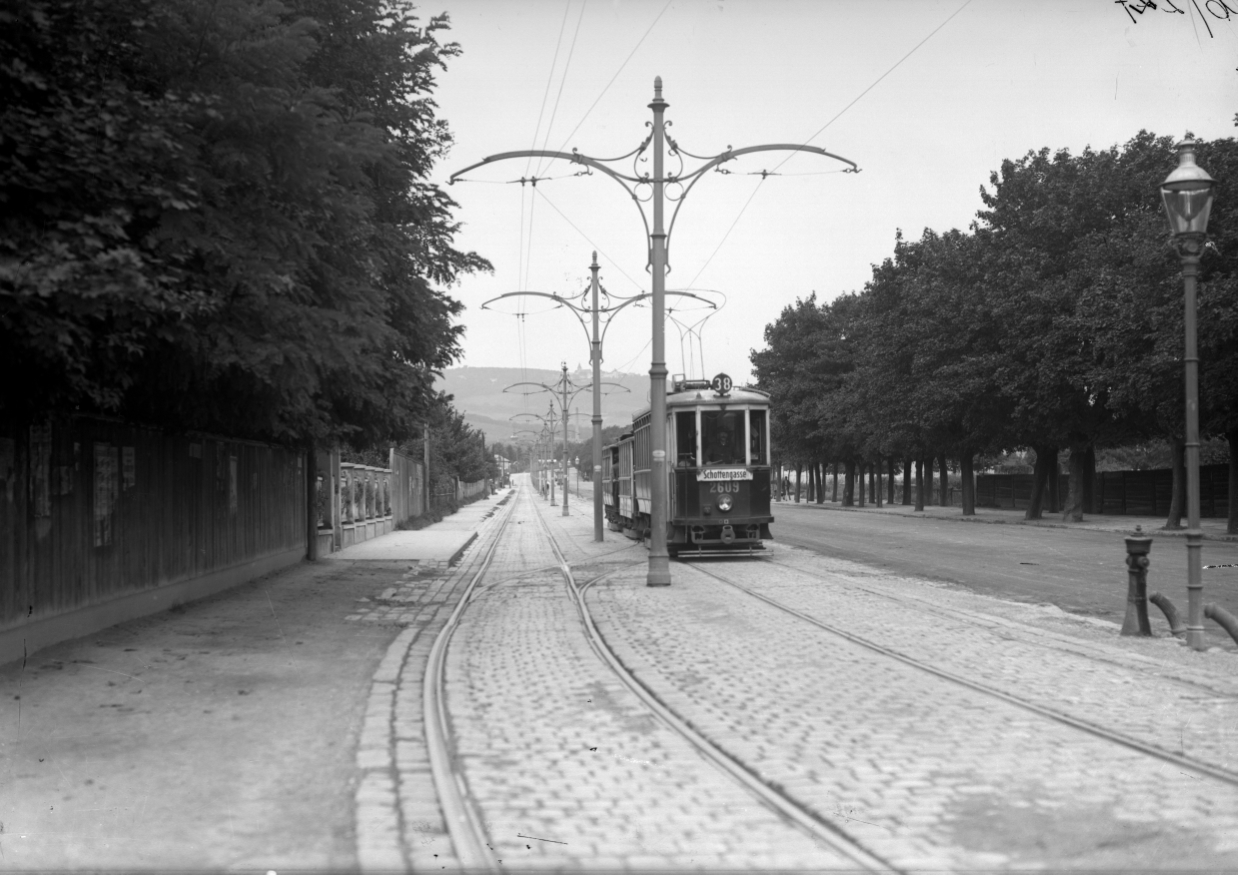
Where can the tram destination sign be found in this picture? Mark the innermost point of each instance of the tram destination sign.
(708, 474)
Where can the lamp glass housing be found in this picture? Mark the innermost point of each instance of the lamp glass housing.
(1187, 194)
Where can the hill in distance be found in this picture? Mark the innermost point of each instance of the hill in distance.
(479, 396)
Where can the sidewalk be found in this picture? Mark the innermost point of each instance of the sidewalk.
(222, 734)
(442, 543)
(1213, 528)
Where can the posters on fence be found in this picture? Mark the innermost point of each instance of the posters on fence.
(107, 464)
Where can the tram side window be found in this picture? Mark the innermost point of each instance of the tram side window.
(723, 435)
(756, 427)
(685, 439)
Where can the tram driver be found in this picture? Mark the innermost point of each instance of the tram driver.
(722, 449)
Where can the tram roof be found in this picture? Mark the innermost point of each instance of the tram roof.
(691, 395)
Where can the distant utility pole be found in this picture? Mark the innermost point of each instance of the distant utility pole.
(659, 573)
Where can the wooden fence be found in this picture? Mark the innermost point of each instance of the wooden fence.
(96, 511)
(1013, 491)
(1118, 493)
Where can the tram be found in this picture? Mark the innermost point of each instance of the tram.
(717, 437)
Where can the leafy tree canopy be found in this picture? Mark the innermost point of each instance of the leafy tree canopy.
(216, 215)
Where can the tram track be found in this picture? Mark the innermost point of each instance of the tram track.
(1226, 776)
(460, 814)
(772, 797)
(1003, 627)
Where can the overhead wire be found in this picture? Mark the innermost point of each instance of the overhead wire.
(718, 248)
(526, 230)
(589, 240)
(562, 81)
(526, 237)
(897, 63)
(616, 76)
(639, 353)
(765, 174)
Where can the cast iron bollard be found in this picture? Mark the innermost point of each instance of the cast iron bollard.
(1136, 622)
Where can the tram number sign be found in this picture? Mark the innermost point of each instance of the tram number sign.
(721, 384)
(707, 475)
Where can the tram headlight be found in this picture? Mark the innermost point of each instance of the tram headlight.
(724, 503)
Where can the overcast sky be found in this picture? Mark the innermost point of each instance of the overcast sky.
(966, 85)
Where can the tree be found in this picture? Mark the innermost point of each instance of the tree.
(808, 353)
(927, 348)
(1045, 214)
(89, 164)
(285, 240)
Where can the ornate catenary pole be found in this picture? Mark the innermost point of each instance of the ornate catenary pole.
(565, 419)
(659, 573)
(659, 236)
(595, 355)
(1187, 196)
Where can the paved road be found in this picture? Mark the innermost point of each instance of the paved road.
(1080, 571)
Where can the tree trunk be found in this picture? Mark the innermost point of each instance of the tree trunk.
(945, 480)
(969, 483)
(928, 481)
(822, 475)
(862, 467)
(1089, 481)
(1054, 484)
(889, 480)
(919, 484)
(812, 482)
(848, 483)
(877, 481)
(1177, 502)
(1073, 509)
(907, 481)
(311, 494)
(1044, 471)
(798, 470)
(834, 497)
(1232, 437)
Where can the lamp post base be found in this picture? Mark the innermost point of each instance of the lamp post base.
(1195, 588)
(659, 571)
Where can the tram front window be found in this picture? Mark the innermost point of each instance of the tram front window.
(756, 427)
(723, 434)
(685, 439)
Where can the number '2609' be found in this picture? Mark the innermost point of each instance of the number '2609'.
(724, 487)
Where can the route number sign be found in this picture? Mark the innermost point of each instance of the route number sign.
(721, 384)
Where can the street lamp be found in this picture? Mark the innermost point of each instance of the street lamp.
(1187, 195)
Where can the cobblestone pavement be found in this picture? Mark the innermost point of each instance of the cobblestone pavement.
(920, 770)
(1152, 690)
(568, 769)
